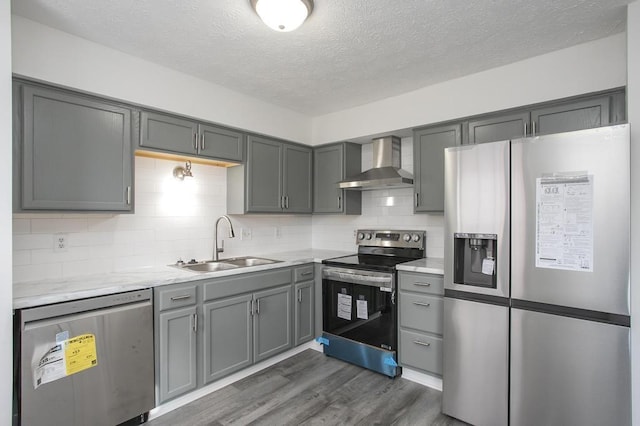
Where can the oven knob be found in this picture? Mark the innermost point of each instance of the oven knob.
(406, 237)
(367, 236)
(360, 236)
(416, 238)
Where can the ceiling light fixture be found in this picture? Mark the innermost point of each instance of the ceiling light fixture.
(283, 15)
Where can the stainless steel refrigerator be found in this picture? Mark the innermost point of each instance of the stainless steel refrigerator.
(536, 319)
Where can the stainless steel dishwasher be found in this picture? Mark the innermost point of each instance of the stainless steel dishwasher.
(85, 362)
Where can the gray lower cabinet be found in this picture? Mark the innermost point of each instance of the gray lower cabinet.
(272, 322)
(428, 164)
(71, 152)
(332, 164)
(176, 135)
(176, 340)
(276, 178)
(420, 316)
(304, 311)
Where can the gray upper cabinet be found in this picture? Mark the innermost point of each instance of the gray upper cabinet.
(276, 178)
(499, 128)
(570, 116)
(332, 164)
(176, 135)
(428, 157)
(71, 152)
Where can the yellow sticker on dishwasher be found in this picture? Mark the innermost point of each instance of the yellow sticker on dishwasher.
(80, 353)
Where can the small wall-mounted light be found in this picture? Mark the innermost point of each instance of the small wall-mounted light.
(181, 172)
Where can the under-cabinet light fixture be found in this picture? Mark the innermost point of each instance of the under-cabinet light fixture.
(181, 172)
(283, 15)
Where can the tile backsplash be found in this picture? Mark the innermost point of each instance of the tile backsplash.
(175, 219)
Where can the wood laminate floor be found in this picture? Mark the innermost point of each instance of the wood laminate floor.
(313, 389)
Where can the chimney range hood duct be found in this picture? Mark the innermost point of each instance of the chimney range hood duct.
(386, 172)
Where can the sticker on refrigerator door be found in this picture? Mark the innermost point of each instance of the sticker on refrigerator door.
(63, 359)
(488, 266)
(362, 311)
(344, 306)
(564, 222)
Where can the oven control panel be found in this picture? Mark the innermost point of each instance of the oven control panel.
(391, 238)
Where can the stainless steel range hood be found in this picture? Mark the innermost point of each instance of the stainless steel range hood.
(386, 172)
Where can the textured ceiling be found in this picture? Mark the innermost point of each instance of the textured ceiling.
(348, 53)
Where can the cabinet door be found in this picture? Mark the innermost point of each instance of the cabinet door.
(272, 322)
(227, 336)
(428, 166)
(219, 143)
(297, 179)
(327, 172)
(567, 117)
(264, 175)
(499, 128)
(76, 153)
(177, 359)
(168, 133)
(304, 312)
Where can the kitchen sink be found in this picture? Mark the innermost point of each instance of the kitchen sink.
(224, 264)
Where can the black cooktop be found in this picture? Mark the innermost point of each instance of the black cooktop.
(368, 262)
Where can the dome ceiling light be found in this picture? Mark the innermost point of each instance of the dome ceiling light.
(283, 15)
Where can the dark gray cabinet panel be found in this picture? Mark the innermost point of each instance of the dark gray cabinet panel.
(227, 336)
(296, 184)
(177, 358)
(264, 175)
(428, 161)
(73, 152)
(272, 331)
(567, 117)
(276, 178)
(499, 128)
(168, 133)
(304, 312)
(332, 164)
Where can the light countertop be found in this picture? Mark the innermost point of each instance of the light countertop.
(43, 292)
(428, 265)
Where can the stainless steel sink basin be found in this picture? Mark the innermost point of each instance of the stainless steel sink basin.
(249, 261)
(225, 264)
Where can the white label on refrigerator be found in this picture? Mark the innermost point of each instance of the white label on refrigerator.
(344, 306)
(564, 222)
(362, 311)
(488, 265)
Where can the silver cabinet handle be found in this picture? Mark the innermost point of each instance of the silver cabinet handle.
(195, 142)
(418, 342)
(258, 307)
(286, 201)
(202, 145)
(251, 307)
(533, 128)
(282, 202)
(195, 323)
(417, 200)
(422, 304)
(128, 195)
(306, 274)
(300, 295)
(181, 297)
(339, 203)
(525, 128)
(422, 284)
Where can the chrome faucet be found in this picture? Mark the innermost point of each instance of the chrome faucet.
(217, 250)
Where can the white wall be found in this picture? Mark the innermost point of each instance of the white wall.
(173, 219)
(43, 53)
(589, 67)
(6, 372)
(633, 103)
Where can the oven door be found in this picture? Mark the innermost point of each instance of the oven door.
(360, 305)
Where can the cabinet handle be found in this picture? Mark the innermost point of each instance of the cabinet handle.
(418, 342)
(128, 195)
(286, 202)
(306, 274)
(195, 323)
(525, 128)
(422, 284)
(300, 295)
(422, 304)
(282, 203)
(533, 128)
(202, 145)
(251, 307)
(195, 142)
(417, 200)
(181, 297)
(339, 203)
(258, 307)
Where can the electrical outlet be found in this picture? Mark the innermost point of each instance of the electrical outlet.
(60, 242)
(277, 232)
(245, 234)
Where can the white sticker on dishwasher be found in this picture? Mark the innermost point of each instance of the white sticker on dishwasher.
(344, 306)
(50, 366)
(361, 309)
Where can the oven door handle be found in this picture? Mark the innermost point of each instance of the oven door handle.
(355, 278)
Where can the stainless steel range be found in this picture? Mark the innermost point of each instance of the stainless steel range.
(359, 299)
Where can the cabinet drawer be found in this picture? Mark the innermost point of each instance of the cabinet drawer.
(303, 273)
(175, 296)
(421, 312)
(245, 283)
(420, 351)
(423, 283)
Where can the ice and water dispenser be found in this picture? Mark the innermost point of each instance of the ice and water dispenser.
(475, 259)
